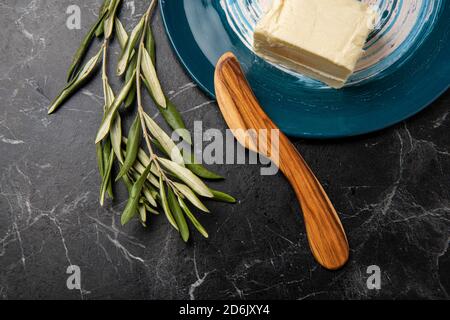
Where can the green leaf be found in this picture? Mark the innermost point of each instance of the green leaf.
(190, 195)
(166, 142)
(116, 127)
(100, 30)
(143, 215)
(132, 39)
(99, 152)
(109, 94)
(126, 180)
(116, 137)
(133, 201)
(132, 94)
(76, 83)
(109, 117)
(107, 174)
(175, 121)
(82, 50)
(122, 36)
(153, 190)
(159, 146)
(222, 196)
(171, 116)
(121, 33)
(109, 23)
(191, 217)
(151, 178)
(165, 204)
(103, 9)
(150, 44)
(144, 159)
(107, 150)
(151, 210)
(178, 214)
(187, 177)
(131, 68)
(131, 97)
(134, 140)
(199, 169)
(148, 195)
(149, 71)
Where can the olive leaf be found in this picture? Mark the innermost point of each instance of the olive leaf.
(178, 214)
(149, 72)
(151, 178)
(126, 180)
(165, 204)
(107, 150)
(100, 30)
(187, 177)
(121, 33)
(171, 115)
(143, 214)
(82, 50)
(109, 22)
(110, 114)
(190, 195)
(144, 159)
(153, 191)
(166, 142)
(109, 93)
(191, 217)
(132, 94)
(150, 44)
(175, 121)
(99, 153)
(131, 97)
(151, 210)
(103, 9)
(222, 196)
(115, 135)
(106, 181)
(70, 89)
(198, 169)
(133, 201)
(134, 140)
(148, 195)
(131, 42)
(122, 36)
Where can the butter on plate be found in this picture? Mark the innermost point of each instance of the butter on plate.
(322, 39)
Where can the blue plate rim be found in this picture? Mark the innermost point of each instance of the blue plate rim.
(180, 58)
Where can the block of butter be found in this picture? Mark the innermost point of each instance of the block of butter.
(322, 39)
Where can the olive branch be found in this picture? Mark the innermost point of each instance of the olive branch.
(162, 178)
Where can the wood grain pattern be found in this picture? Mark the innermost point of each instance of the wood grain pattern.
(242, 112)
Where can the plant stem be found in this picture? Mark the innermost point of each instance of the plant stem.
(153, 156)
(104, 72)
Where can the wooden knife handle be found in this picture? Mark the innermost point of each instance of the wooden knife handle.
(324, 229)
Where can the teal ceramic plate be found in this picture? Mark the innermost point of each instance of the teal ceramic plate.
(406, 65)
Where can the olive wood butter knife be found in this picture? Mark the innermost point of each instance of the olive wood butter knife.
(243, 114)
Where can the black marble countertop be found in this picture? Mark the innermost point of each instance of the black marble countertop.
(391, 189)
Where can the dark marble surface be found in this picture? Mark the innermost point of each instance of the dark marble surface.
(391, 189)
